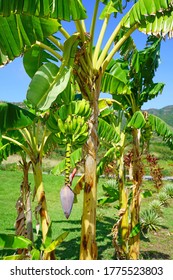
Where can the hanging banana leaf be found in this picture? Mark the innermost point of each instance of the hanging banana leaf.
(107, 133)
(19, 32)
(150, 17)
(151, 92)
(37, 56)
(14, 117)
(50, 80)
(137, 120)
(46, 85)
(59, 9)
(162, 129)
(115, 78)
(105, 160)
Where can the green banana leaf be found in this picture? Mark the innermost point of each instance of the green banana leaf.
(137, 120)
(20, 32)
(11, 241)
(162, 129)
(58, 9)
(46, 85)
(149, 17)
(56, 242)
(14, 117)
(37, 56)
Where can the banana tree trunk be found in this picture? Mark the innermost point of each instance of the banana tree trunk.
(24, 219)
(135, 207)
(88, 246)
(123, 201)
(29, 225)
(41, 199)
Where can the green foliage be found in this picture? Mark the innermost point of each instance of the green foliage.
(156, 206)
(10, 241)
(146, 193)
(162, 129)
(35, 57)
(149, 220)
(168, 189)
(163, 198)
(14, 117)
(58, 9)
(20, 32)
(115, 77)
(135, 230)
(137, 120)
(48, 82)
(142, 13)
(107, 133)
(111, 192)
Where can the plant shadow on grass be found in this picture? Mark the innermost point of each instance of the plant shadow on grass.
(69, 249)
(154, 255)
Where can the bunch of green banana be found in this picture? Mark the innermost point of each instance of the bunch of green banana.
(73, 129)
(78, 107)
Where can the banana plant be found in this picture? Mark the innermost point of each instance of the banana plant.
(139, 67)
(25, 130)
(15, 242)
(23, 224)
(80, 61)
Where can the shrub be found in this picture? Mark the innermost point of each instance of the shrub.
(168, 189)
(163, 198)
(150, 220)
(157, 207)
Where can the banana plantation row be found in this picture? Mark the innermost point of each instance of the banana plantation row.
(68, 72)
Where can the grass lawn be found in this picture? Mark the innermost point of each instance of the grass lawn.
(156, 246)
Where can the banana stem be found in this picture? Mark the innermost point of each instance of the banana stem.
(108, 45)
(80, 29)
(56, 42)
(93, 24)
(17, 143)
(100, 40)
(64, 33)
(47, 48)
(115, 49)
(67, 164)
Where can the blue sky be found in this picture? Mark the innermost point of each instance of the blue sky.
(14, 81)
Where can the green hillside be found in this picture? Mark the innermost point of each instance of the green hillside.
(165, 113)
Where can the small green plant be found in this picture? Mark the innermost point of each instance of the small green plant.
(163, 198)
(149, 220)
(111, 192)
(156, 207)
(28, 249)
(168, 189)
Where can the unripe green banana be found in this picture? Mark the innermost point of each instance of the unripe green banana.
(61, 126)
(81, 109)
